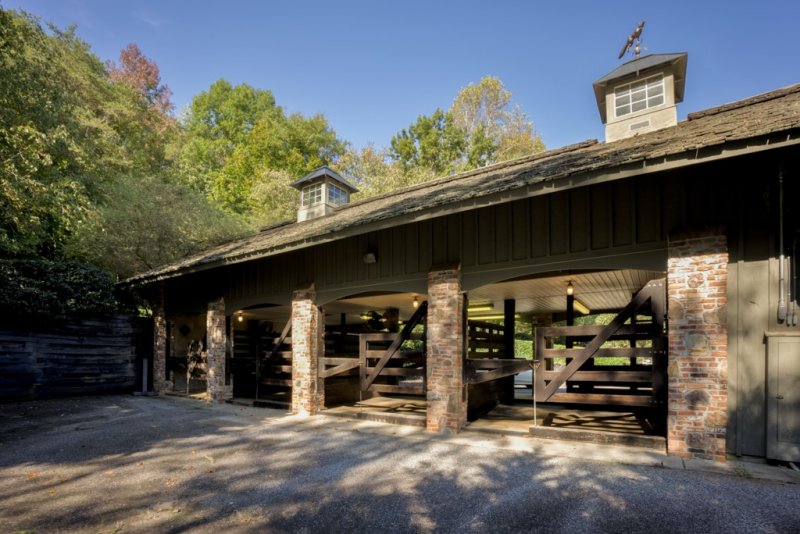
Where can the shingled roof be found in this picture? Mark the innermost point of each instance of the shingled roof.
(726, 131)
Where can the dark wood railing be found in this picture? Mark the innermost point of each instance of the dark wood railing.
(640, 383)
(392, 362)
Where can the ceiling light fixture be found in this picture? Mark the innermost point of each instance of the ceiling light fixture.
(481, 308)
(581, 307)
(491, 317)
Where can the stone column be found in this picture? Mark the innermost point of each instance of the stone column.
(216, 339)
(159, 362)
(697, 282)
(447, 393)
(308, 346)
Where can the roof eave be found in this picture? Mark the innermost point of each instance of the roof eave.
(634, 167)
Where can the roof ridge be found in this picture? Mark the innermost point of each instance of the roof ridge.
(714, 128)
(749, 101)
(472, 172)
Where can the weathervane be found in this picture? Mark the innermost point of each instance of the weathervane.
(635, 37)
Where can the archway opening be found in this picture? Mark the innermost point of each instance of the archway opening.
(564, 313)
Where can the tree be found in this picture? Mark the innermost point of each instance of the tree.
(143, 75)
(375, 173)
(496, 130)
(432, 142)
(58, 135)
(480, 128)
(235, 135)
(145, 221)
(83, 168)
(218, 121)
(271, 199)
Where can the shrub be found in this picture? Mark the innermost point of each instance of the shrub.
(47, 290)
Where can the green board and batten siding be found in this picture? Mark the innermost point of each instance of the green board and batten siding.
(614, 225)
(617, 224)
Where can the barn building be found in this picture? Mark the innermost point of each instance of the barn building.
(683, 235)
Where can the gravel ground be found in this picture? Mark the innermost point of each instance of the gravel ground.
(132, 464)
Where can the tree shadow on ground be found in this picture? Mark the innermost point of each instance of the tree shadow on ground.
(172, 465)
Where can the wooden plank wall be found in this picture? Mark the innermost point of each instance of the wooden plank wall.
(605, 219)
(79, 357)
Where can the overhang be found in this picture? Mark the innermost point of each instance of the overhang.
(765, 122)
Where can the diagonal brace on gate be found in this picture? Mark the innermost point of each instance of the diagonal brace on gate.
(416, 319)
(653, 292)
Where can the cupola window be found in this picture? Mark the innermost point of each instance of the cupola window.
(312, 195)
(639, 96)
(336, 195)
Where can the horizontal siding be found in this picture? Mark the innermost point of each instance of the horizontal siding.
(79, 357)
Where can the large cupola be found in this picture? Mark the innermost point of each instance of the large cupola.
(641, 95)
(322, 191)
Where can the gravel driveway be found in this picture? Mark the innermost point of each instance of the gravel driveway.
(131, 464)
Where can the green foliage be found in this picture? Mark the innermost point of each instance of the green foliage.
(146, 221)
(235, 137)
(432, 142)
(40, 289)
(65, 130)
(376, 174)
(479, 129)
(218, 121)
(277, 151)
(271, 200)
(496, 130)
(41, 149)
(94, 168)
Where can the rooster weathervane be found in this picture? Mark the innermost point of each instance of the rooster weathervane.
(635, 37)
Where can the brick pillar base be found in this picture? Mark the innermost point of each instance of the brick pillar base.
(217, 340)
(697, 281)
(447, 395)
(308, 327)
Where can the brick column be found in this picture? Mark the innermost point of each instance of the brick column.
(447, 394)
(697, 282)
(160, 383)
(308, 345)
(216, 339)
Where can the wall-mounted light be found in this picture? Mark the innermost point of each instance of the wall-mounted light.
(415, 303)
(481, 308)
(570, 289)
(370, 257)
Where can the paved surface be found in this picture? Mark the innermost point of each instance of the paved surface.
(129, 464)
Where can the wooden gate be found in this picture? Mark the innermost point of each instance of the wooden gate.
(398, 359)
(642, 382)
(274, 370)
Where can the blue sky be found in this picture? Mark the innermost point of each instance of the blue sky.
(373, 66)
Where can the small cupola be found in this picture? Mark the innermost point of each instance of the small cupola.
(641, 95)
(322, 191)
